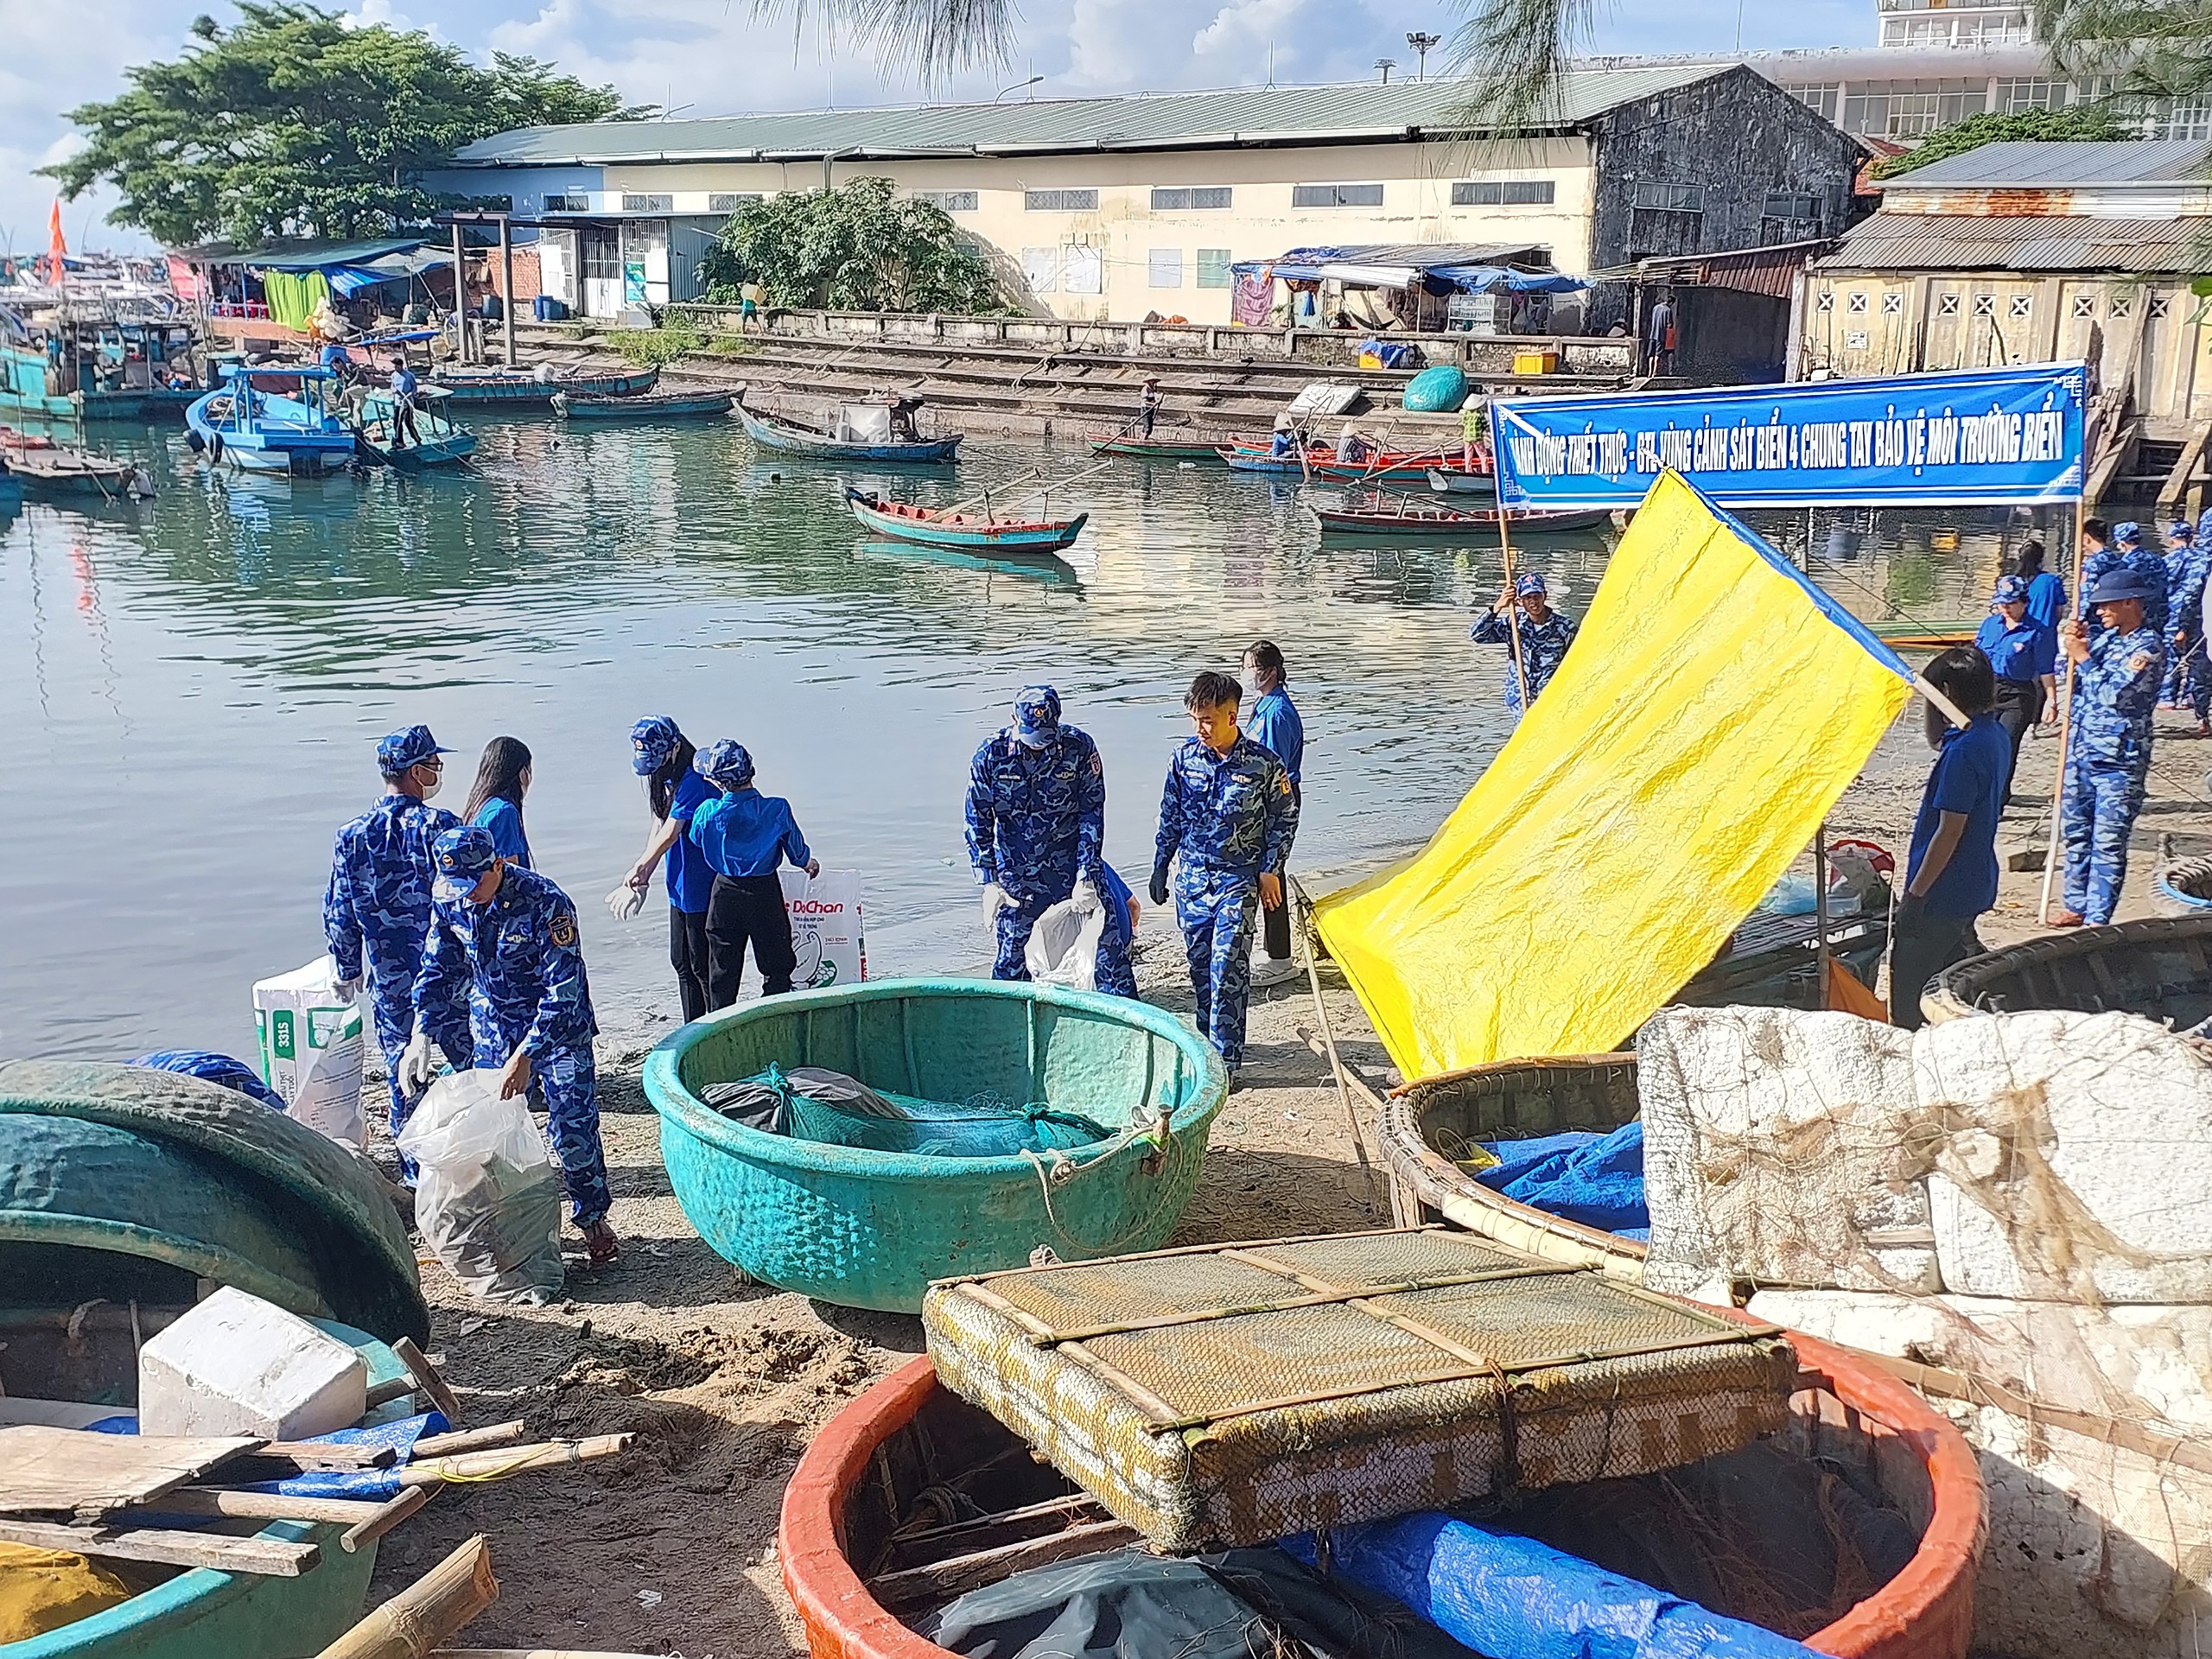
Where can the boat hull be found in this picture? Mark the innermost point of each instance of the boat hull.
(269, 445)
(522, 388)
(1434, 522)
(1153, 449)
(650, 406)
(792, 441)
(158, 403)
(967, 536)
(1458, 483)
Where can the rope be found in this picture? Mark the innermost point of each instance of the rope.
(1056, 1168)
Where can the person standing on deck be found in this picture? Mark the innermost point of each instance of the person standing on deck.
(1275, 727)
(403, 388)
(1036, 813)
(1148, 403)
(746, 837)
(2025, 655)
(1659, 331)
(2116, 675)
(2046, 593)
(1951, 873)
(1545, 635)
(1227, 818)
(506, 937)
(1474, 428)
(662, 755)
(376, 910)
(2189, 672)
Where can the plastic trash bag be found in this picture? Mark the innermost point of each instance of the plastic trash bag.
(1063, 948)
(488, 1198)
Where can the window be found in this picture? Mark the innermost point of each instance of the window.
(1082, 269)
(1336, 195)
(1907, 109)
(2085, 305)
(1985, 305)
(648, 204)
(2184, 117)
(1855, 304)
(2021, 305)
(567, 204)
(2014, 96)
(1040, 269)
(2123, 306)
(952, 202)
(1893, 305)
(1821, 100)
(1164, 268)
(1183, 199)
(1656, 195)
(728, 201)
(1826, 301)
(1946, 305)
(1784, 204)
(1213, 268)
(2161, 304)
(1504, 193)
(1060, 201)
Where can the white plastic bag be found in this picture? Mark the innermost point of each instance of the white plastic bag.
(1063, 948)
(311, 1049)
(488, 1198)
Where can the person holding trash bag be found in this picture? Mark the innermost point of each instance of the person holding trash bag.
(746, 837)
(376, 910)
(509, 937)
(1227, 816)
(1275, 727)
(662, 755)
(1036, 815)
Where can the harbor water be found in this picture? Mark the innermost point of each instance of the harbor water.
(192, 688)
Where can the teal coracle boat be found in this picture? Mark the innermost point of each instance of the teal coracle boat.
(866, 1229)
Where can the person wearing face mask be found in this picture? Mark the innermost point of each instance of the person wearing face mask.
(662, 755)
(1275, 725)
(376, 909)
(495, 802)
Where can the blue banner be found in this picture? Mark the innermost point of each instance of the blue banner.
(1980, 436)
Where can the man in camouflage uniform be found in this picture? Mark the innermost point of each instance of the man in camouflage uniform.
(1545, 635)
(2124, 550)
(376, 911)
(2189, 673)
(1036, 825)
(1227, 816)
(2116, 676)
(509, 937)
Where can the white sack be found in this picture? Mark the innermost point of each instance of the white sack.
(489, 1196)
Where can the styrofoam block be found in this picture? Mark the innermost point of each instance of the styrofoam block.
(1779, 1146)
(237, 1365)
(2075, 1162)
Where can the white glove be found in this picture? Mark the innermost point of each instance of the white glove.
(995, 900)
(347, 990)
(415, 1067)
(1086, 895)
(626, 902)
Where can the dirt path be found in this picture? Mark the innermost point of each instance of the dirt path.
(671, 1548)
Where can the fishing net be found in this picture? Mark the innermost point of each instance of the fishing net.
(813, 1103)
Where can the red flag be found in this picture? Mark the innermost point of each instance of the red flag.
(56, 250)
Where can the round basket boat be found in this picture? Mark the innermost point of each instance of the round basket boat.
(2183, 888)
(867, 1229)
(870, 1496)
(2161, 968)
(1427, 1128)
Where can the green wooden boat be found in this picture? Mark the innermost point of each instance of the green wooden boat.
(868, 1229)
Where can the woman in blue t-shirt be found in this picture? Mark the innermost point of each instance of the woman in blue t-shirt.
(662, 755)
(495, 804)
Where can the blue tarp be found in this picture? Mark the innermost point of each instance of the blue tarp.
(1592, 1179)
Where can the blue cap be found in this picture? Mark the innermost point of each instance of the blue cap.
(462, 857)
(2009, 589)
(724, 761)
(653, 740)
(1531, 583)
(409, 748)
(2127, 534)
(2123, 583)
(2179, 530)
(1036, 716)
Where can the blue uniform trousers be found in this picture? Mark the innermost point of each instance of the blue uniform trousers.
(564, 1085)
(392, 1012)
(1017, 921)
(2102, 798)
(1216, 910)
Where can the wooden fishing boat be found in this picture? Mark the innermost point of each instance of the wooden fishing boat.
(1321, 464)
(2160, 968)
(792, 437)
(935, 527)
(2184, 887)
(871, 1229)
(1137, 448)
(1446, 521)
(438, 442)
(643, 406)
(512, 387)
(56, 471)
(909, 1495)
(251, 425)
(1457, 480)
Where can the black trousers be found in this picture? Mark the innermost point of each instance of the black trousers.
(688, 955)
(1921, 947)
(1274, 925)
(2018, 702)
(748, 909)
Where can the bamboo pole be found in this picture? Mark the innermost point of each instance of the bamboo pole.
(467, 1440)
(2051, 853)
(423, 1615)
(506, 1460)
(1321, 1011)
(388, 1514)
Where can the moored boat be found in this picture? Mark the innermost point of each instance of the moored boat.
(2160, 968)
(937, 527)
(56, 471)
(1459, 481)
(643, 406)
(1320, 462)
(1444, 521)
(1137, 448)
(865, 1228)
(516, 387)
(436, 441)
(861, 433)
(250, 425)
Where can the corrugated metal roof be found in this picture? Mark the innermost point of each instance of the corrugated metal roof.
(2026, 164)
(1150, 120)
(1973, 242)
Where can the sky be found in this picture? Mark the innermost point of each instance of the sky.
(716, 57)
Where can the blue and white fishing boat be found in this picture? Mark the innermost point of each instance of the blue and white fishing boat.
(861, 432)
(252, 424)
(437, 440)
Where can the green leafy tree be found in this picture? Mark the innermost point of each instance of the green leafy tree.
(2078, 121)
(860, 247)
(293, 122)
(2144, 50)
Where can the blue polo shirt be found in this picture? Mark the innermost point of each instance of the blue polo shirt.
(1275, 727)
(690, 878)
(747, 834)
(2025, 651)
(1969, 777)
(2046, 598)
(504, 820)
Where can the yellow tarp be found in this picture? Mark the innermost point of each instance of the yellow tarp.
(1714, 706)
(43, 1589)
